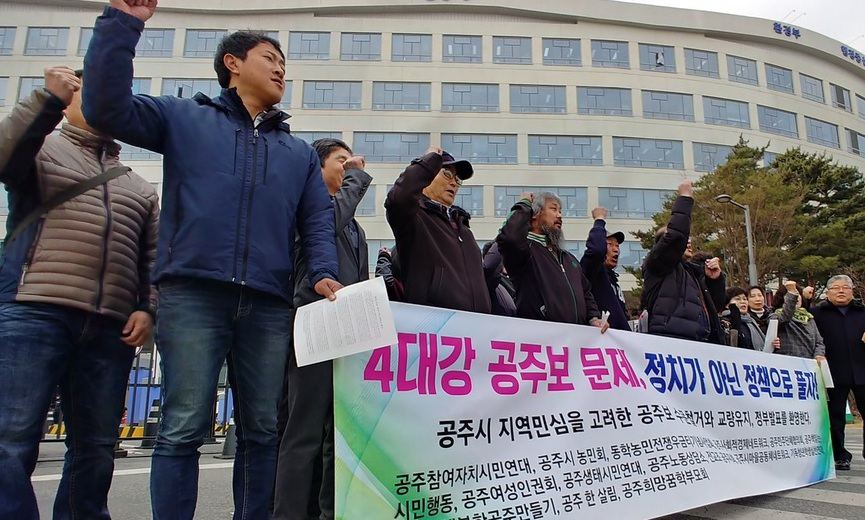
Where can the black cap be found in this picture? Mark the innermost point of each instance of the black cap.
(618, 235)
(463, 168)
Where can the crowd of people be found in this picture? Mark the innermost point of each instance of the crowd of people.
(254, 223)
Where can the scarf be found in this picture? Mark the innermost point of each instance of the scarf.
(802, 316)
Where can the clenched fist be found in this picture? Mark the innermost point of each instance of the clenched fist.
(686, 189)
(62, 82)
(599, 213)
(713, 268)
(141, 9)
(355, 162)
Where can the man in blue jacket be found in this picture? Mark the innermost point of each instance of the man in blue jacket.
(237, 187)
(599, 264)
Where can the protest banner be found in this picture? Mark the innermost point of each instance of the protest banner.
(481, 417)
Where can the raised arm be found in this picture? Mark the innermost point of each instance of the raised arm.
(401, 203)
(354, 186)
(593, 258)
(669, 249)
(108, 102)
(513, 238)
(23, 131)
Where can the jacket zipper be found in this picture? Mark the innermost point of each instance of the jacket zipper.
(239, 207)
(570, 288)
(249, 205)
(108, 220)
(32, 252)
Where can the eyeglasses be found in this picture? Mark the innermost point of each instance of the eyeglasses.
(840, 288)
(451, 176)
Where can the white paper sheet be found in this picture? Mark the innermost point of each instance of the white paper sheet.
(771, 334)
(359, 320)
(827, 375)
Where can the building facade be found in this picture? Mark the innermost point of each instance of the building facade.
(605, 103)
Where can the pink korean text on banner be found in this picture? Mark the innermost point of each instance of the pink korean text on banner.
(473, 416)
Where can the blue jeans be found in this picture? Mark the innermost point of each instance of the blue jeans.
(43, 346)
(201, 323)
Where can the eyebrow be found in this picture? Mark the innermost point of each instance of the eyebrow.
(275, 55)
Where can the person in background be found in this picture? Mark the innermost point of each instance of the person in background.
(841, 321)
(740, 328)
(550, 283)
(502, 290)
(599, 264)
(757, 307)
(682, 296)
(797, 329)
(439, 261)
(387, 267)
(307, 445)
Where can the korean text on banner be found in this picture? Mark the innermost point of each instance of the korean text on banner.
(469, 416)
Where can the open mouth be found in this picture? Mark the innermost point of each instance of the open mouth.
(452, 192)
(279, 83)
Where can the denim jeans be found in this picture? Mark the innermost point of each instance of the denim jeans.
(43, 346)
(201, 324)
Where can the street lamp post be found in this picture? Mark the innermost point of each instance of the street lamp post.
(752, 266)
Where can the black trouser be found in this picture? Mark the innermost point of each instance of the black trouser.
(305, 470)
(838, 416)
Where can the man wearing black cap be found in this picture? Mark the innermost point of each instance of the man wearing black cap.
(440, 262)
(599, 263)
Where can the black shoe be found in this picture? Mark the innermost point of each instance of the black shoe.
(842, 465)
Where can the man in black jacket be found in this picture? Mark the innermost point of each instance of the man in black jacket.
(841, 321)
(306, 449)
(549, 281)
(599, 264)
(682, 296)
(439, 259)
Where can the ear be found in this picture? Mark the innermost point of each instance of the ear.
(232, 63)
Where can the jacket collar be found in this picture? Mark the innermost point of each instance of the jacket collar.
(229, 101)
(855, 304)
(97, 143)
(447, 212)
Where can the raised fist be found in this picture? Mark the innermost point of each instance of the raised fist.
(61, 82)
(599, 213)
(434, 149)
(790, 285)
(355, 162)
(713, 268)
(141, 9)
(529, 196)
(686, 189)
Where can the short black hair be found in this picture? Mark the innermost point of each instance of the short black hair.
(325, 147)
(758, 288)
(238, 44)
(732, 292)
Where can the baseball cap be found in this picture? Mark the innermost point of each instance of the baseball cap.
(463, 168)
(618, 235)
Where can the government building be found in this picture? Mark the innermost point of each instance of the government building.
(605, 103)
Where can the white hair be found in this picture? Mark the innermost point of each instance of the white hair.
(840, 278)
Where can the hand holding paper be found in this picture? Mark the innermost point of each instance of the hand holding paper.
(358, 320)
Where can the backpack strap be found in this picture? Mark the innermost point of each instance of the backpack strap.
(65, 196)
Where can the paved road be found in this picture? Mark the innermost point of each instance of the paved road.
(842, 498)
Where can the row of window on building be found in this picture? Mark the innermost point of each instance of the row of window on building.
(545, 99)
(310, 45)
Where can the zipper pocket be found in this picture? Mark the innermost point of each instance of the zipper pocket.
(32, 251)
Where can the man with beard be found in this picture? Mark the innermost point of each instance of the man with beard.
(550, 283)
(599, 264)
(680, 295)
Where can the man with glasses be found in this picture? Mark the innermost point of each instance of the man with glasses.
(439, 258)
(841, 321)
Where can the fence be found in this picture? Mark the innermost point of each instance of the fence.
(142, 410)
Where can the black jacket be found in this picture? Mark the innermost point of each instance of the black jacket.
(604, 281)
(353, 261)
(842, 336)
(681, 301)
(502, 290)
(439, 259)
(550, 284)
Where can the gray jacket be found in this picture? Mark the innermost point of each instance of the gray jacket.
(353, 262)
(797, 339)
